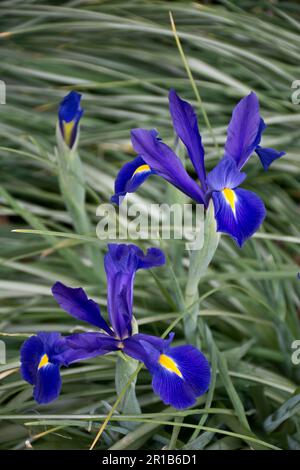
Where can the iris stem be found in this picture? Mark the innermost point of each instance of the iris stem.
(191, 78)
(175, 433)
(115, 406)
(125, 367)
(72, 186)
(199, 262)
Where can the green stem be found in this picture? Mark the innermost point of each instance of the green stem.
(126, 368)
(199, 262)
(72, 187)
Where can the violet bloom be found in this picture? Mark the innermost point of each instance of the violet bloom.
(179, 374)
(238, 212)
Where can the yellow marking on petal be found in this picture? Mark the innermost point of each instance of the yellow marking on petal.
(141, 169)
(44, 361)
(68, 129)
(230, 197)
(169, 364)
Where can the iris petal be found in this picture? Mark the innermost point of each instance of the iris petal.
(48, 384)
(193, 366)
(163, 161)
(131, 176)
(244, 130)
(241, 217)
(41, 358)
(121, 263)
(134, 347)
(75, 302)
(69, 108)
(87, 345)
(267, 156)
(225, 175)
(173, 390)
(31, 353)
(179, 375)
(186, 127)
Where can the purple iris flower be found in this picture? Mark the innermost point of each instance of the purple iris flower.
(42, 356)
(238, 212)
(179, 374)
(69, 115)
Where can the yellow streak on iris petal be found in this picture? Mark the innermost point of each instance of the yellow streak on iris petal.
(169, 364)
(44, 361)
(230, 197)
(141, 168)
(68, 129)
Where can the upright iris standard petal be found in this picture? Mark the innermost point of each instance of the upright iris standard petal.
(130, 178)
(76, 303)
(121, 263)
(41, 358)
(267, 156)
(163, 161)
(120, 266)
(238, 212)
(244, 130)
(69, 115)
(186, 127)
(179, 375)
(48, 384)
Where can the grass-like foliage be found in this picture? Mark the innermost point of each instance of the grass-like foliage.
(122, 56)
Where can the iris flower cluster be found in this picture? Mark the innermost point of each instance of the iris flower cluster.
(238, 212)
(179, 374)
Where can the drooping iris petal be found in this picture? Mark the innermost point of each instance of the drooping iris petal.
(75, 302)
(163, 161)
(186, 127)
(244, 130)
(267, 156)
(53, 344)
(225, 175)
(87, 345)
(238, 212)
(69, 115)
(121, 263)
(180, 374)
(48, 384)
(173, 390)
(43, 355)
(41, 358)
(31, 352)
(131, 176)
